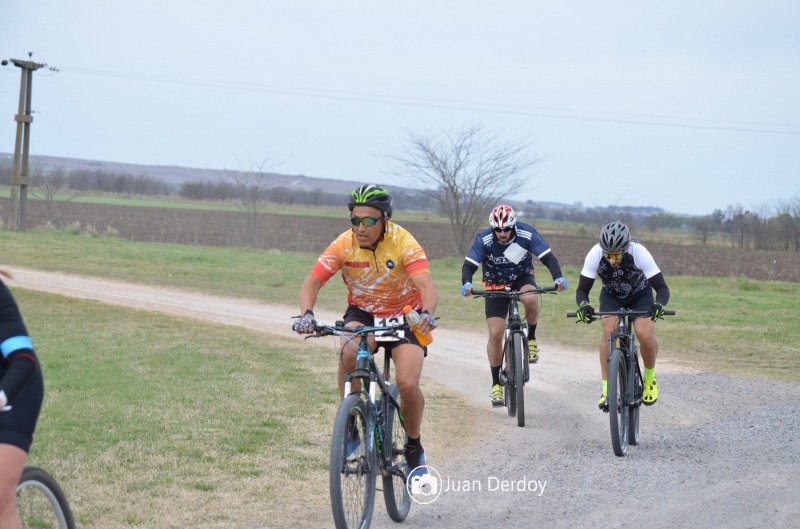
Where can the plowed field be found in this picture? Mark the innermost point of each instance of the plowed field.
(312, 234)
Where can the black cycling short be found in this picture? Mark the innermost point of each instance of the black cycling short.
(355, 314)
(498, 307)
(641, 301)
(18, 424)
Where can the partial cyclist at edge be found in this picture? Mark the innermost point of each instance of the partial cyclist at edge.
(385, 269)
(505, 251)
(21, 394)
(629, 276)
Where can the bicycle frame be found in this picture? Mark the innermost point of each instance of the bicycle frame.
(626, 342)
(517, 370)
(381, 446)
(625, 383)
(367, 371)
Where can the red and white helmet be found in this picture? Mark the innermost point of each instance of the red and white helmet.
(503, 217)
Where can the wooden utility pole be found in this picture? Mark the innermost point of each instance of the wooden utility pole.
(19, 176)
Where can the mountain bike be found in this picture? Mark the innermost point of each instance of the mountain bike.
(41, 503)
(369, 434)
(516, 372)
(625, 385)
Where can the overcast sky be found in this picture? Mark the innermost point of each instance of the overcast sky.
(685, 105)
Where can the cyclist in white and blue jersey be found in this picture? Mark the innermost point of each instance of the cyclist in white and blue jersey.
(505, 253)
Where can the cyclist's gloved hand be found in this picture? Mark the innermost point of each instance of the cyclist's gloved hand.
(586, 313)
(656, 311)
(560, 281)
(426, 317)
(466, 289)
(305, 324)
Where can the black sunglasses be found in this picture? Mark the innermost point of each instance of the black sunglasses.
(503, 230)
(364, 221)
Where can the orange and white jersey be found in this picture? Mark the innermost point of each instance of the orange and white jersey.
(379, 281)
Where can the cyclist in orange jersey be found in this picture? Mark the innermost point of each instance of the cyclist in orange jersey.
(384, 269)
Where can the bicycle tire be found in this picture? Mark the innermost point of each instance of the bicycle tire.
(634, 437)
(509, 390)
(41, 502)
(617, 402)
(519, 377)
(395, 492)
(352, 477)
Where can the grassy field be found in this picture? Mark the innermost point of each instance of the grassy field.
(153, 421)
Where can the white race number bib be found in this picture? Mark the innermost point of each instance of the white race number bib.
(390, 320)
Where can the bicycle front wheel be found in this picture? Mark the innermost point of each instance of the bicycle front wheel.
(41, 503)
(519, 377)
(352, 466)
(395, 492)
(617, 401)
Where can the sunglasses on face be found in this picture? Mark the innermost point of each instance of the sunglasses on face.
(502, 230)
(615, 256)
(364, 221)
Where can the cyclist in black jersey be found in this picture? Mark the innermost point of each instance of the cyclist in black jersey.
(505, 253)
(21, 393)
(629, 275)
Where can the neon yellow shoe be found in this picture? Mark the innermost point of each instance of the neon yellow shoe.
(497, 395)
(533, 352)
(603, 402)
(650, 394)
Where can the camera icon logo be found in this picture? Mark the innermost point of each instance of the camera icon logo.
(424, 484)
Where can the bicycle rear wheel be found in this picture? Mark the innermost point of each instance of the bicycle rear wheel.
(509, 389)
(395, 492)
(633, 427)
(519, 374)
(352, 466)
(41, 503)
(617, 405)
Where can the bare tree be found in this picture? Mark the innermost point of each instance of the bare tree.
(50, 182)
(702, 226)
(787, 223)
(466, 173)
(252, 190)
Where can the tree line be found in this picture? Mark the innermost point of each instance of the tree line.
(460, 174)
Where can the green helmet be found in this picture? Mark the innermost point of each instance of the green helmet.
(372, 196)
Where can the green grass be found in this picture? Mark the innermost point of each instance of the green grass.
(144, 411)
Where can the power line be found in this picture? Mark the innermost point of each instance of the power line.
(445, 104)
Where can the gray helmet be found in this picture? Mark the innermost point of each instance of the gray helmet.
(614, 237)
(372, 196)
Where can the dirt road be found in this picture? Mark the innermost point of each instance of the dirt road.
(717, 451)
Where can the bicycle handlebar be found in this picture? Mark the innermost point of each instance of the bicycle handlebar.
(621, 312)
(322, 329)
(508, 293)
